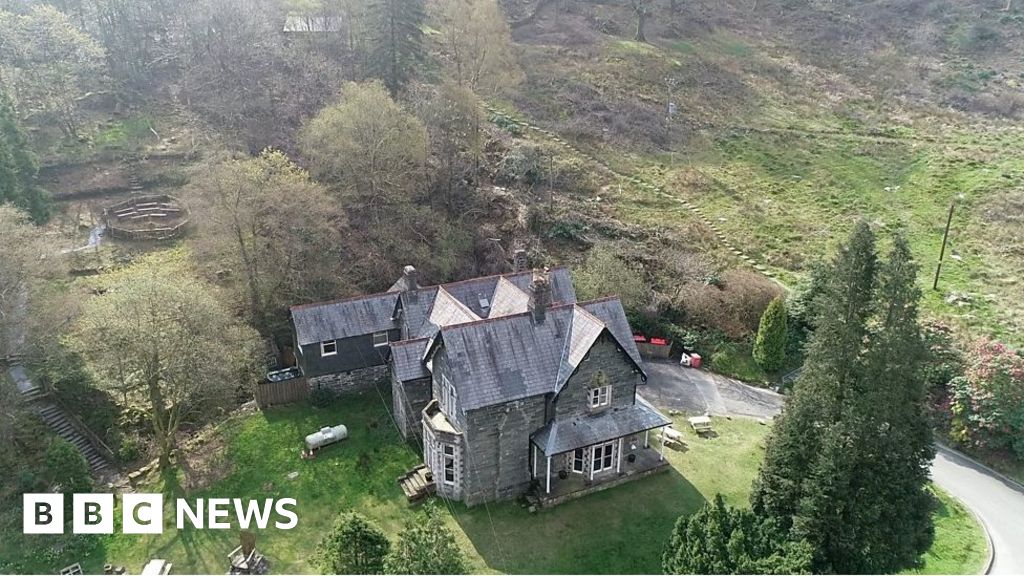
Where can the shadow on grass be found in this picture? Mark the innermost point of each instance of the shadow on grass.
(621, 530)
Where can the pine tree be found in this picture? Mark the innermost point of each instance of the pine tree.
(18, 167)
(397, 43)
(354, 546)
(831, 365)
(718, 539)
(847, 465)
(772, 336)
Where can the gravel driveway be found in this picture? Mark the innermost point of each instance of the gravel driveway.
(691, 391)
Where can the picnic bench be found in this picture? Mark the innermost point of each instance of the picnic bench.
(701, 424)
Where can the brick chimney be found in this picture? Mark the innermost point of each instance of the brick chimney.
(519, 261)
(540, 295)
(411, 277)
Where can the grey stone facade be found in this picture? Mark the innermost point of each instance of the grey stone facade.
(498, 449)
(352, 381)
(408, 400)
(605, 364)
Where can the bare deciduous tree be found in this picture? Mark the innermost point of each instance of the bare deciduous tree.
(161, 339)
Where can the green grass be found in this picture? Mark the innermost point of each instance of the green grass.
(960, 544)
(620, 530)
(124, 134)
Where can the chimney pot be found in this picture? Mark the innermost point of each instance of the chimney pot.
(519, 261)
(411, 276)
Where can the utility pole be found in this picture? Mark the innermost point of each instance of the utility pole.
(945, 240)
(670, 111)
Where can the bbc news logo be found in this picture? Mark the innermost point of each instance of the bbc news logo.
(144, 513)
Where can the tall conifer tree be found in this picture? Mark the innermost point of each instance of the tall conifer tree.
(847, 465)
(397, 40)
(18, 167)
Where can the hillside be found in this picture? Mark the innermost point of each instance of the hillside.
(794, 118)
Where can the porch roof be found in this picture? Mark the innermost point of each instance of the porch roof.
(558, 437)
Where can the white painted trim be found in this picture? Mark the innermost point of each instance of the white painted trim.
(533, 473)
(322, 344)
(647, 444)
(618, 462)
(387, 339)
(549, 474)
(661, 455)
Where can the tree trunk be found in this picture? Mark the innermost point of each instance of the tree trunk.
(641, 19)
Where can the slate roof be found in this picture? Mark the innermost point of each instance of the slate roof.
(324, 321)
(503, 295)
(447, 310)
(508, 299)
(498, 360)
(564, 435)
(407, 359)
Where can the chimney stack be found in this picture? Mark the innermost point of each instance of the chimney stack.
(411, 277)
(519, 261)
(540, 295)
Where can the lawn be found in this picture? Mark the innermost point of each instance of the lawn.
(621, 530)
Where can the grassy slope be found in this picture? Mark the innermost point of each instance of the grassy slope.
(621, 530)
(833, 137)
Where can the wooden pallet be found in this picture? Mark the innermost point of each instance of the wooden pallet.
(418, 483)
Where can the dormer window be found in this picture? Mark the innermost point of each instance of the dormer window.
(329, 348)
(600, 396)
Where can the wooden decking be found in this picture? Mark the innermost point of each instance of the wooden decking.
(418, 483)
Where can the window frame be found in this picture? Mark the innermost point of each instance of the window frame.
(607, 459)
(579, 456)
(448, 464)
(377, 343)
(323, 348)
(599, 392)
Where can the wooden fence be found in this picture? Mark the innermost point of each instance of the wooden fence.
(284, 392)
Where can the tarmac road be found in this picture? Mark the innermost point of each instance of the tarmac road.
(997, 501)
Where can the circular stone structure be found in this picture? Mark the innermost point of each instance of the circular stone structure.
(153, 217)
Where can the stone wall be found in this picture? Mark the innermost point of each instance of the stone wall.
(409, 399)
(498, 449)
(605, 363)
(353, 381)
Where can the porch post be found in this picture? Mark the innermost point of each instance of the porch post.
(549, 475)
(646, 443)
(592, 453)
(661, 455)
(618, 462)
(533, 473)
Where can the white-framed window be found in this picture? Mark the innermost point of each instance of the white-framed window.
(449, 464)
(329, 348)
(579, 463)
(600, 396)
(602, 457)
(448, 395)
(380, 339)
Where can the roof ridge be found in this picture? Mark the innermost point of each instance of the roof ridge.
(451, 327)
(343, 300)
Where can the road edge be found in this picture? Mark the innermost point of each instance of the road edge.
(987, 566)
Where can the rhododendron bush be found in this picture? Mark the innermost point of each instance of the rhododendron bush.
(988, 400)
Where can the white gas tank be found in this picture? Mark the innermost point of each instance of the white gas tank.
(326, 435)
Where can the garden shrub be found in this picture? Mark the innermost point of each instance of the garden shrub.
(987, 402)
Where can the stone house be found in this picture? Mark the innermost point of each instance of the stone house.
(510, 384)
